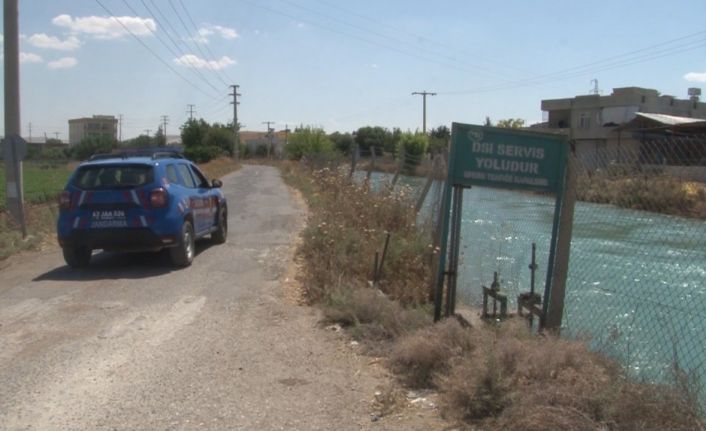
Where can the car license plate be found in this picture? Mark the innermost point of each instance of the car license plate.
(108, 219)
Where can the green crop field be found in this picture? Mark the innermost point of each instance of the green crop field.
(42, 182)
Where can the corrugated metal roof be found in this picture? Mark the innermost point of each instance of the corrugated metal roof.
(669, 120)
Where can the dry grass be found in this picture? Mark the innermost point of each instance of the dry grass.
(372, 317)
(41, 226)
(217, 168)
(503, 378)
(421, 356)
(347, 225)
(656, 193)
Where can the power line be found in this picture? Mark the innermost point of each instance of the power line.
(160, 59)
(193, 67)
(363, 39)
(649, 53)
(220, 72)
(176, 33)
(418, 36)
(450, 60)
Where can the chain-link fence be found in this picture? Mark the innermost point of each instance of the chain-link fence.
(636, 288)
(637, 276)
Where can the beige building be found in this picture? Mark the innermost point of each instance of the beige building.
(594, 121)
(100, 126)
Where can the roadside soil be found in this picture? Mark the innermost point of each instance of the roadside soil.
(133, 343)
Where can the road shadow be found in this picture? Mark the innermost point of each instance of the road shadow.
(120, 266)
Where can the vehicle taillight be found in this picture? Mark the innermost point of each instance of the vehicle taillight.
(158, 198)
(65, 201)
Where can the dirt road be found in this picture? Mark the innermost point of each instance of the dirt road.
(132, 343)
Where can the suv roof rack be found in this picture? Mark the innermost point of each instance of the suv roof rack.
(154, 153)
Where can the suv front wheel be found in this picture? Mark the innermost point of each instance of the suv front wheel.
(183, 253)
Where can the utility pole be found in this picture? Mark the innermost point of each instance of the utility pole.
(424, 95)
(56, 135)
(236, 126)
(269, 133)
(14, 147)
(595, 90)
(120, 128)
(147, 131)
(164, 119)
(190, 111)
(286, 134)
(30, 131)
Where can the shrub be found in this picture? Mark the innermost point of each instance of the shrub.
(92, 145)
(305, 141)
(421, 355)
(348, 225)
(412, 146)
(371, 315)
(202, 154)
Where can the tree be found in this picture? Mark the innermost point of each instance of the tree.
(367, 137)
(201, 143)
(141, 141)
(413, 146)
(91, 145)
(343, 142)
(193, 131)
(220, 137)
(53, 142)
(511, 123)
(392, 139)
(439, 139)
(306, 141)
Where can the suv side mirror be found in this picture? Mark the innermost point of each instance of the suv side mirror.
(216, 184)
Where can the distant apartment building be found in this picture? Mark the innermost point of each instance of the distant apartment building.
(602, 127)
(99, 126)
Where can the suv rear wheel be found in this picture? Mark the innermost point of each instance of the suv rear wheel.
(220, 235)
(183, 253)
(77, 257)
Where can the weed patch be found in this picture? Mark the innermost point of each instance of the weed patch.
(348, 223)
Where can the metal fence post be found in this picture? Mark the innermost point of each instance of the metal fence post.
(555, 309)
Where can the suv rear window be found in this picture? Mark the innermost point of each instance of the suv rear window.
(113, 176)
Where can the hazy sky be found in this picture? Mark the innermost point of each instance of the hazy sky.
(344, 64)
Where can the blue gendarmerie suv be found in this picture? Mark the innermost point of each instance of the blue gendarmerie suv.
(139, 202)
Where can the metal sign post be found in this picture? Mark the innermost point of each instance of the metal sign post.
(502, 158)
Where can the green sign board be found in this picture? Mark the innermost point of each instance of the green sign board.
(506, 158)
